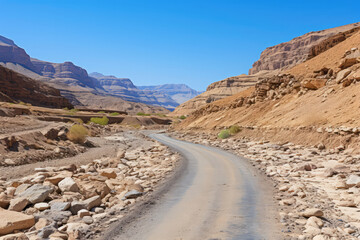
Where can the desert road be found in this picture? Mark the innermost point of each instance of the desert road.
(216, 196)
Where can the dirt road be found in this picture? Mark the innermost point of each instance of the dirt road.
(217, 196)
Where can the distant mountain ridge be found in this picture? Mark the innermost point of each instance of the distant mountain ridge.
(180, 93)
(80, 87)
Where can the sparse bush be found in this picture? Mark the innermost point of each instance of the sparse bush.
(114, 114)
(234, 129)
(78, 120)
(182, 117)
(224, 134)
(77, 133)
(142, 114)
(74, 110)
(66, 108)
(101, 121)
(160, 114)
(101, 112)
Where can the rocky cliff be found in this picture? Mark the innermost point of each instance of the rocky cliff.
(17, 87)
(289, 54)
(10, 52)
(124, 88)
(219, 90)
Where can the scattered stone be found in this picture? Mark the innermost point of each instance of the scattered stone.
(36, 193)
(18, 204)
(11, 221)
(133, 194)
(68, 185)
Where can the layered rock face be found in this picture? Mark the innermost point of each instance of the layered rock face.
(65, 72)
(180, 93)
(10, 52)
(289, 54)
(124, 88)
(219, 90)
(14, 86)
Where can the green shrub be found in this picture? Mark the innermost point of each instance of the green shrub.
(66, 108)
(182, 117)
(74, 110)
(160, 114)
(142, 114)
(234, 129)
(77, 133)
(224, 134)
(101, 112)
(114, 114)
(101, 121)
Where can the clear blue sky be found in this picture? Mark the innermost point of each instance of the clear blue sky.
(173, 41)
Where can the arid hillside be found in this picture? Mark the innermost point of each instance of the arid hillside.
(319, 96)
(218, 90)
(273, 60)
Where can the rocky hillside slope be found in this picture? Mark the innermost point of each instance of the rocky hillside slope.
(16, 87)
(124, 88)
(288, 54)
(218, 90)
(180, 93)
(319, 95)
(271, 62)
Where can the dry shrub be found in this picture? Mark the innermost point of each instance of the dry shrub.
(77, 133)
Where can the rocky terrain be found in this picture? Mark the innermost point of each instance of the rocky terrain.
(298, 50)
(316, 187)
(16, 87)
(81, 201)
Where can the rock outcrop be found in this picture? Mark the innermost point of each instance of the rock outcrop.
(17, 87)
(10, 52)
(298, 50)
(219, 90)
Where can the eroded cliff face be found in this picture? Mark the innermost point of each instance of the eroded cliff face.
(10, 52)
(219, 90)
(124, 88)
(65, 73)
(17, 87)
(289, 54)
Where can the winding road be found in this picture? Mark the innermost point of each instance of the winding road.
(217, 195)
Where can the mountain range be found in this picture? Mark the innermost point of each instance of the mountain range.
(93, 90)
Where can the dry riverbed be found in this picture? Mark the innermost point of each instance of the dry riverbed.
(80, 201)
(317, 188)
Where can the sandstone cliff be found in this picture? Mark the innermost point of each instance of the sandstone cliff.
(219, 90)
(289, 54)
(17, 87)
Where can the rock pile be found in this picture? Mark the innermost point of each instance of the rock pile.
(74, 202)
